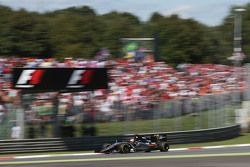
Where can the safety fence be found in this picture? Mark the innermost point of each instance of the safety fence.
(203, 112)
(96, 142)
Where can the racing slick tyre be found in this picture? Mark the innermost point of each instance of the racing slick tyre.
(124, 148)
(105, 146)
(163, 146)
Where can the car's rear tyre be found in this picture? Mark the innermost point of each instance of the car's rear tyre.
(124, 148)
(105, 146)
(164, 146)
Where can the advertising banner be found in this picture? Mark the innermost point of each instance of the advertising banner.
(59, 79)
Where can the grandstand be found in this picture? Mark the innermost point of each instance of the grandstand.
(140, 84)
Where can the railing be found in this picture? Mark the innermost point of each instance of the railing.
(95, 142)
(205, 112)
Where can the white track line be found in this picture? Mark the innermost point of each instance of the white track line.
(54, 155)
(85, 154)
(178, 149)
(32, 156)
(210, 147)
(227, 146)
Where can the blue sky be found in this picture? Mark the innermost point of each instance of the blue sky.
(210, 12)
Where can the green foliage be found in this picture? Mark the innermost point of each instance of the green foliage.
(80, 32)
(27, 34)
(117, 26)
(5, 38)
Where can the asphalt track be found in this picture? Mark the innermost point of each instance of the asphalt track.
(215, 157)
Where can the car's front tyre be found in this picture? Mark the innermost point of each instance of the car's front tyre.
(124, 148)
(163, 146)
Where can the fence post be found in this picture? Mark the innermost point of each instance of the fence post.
(57, 128)
(210, 112)
(20, 121)
(126, 118)
(177, 114)
(223, 117)
(156, 122)
(197, 113)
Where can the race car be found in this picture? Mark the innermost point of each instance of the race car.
(137, 144)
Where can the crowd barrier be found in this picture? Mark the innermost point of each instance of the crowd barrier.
(96, 142)
(221, 113)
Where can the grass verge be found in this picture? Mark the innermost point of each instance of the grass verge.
(243, 139)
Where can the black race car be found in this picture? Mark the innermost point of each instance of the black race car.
(137, 144)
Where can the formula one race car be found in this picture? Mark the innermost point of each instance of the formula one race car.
(137, 144)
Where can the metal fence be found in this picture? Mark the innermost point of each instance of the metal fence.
(8, 120)
(96, 142)
(203, 112)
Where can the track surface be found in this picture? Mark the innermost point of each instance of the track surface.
(216, 157)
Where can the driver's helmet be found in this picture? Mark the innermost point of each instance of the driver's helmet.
(157, 136)
(132, 140)
(137, 138)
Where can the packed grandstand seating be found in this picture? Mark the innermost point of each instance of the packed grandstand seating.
(137, 83)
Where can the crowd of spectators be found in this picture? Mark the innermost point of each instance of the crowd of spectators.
(131, 83)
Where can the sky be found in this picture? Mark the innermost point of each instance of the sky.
(210, 12)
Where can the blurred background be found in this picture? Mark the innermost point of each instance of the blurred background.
(165, 74)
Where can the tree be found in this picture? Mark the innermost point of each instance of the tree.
(28, 34)
(74, 35)
(227, 30)
(5, 39)
(80, 32)
(117, 26)
(180, 40)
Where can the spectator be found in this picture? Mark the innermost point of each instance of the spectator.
(139, 84)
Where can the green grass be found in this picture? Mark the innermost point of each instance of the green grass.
(147, 126)
(243, 139)
(181, 123)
